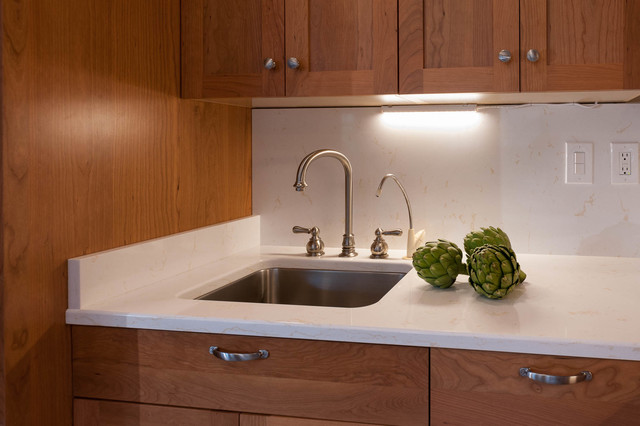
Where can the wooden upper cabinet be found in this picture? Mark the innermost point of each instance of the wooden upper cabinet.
(582, 44)
(453, 46)
(225, 45)
(344, 47)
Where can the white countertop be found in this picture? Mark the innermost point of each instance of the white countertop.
(569, 305)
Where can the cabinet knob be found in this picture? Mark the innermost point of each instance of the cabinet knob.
(533, 55)
(293, 63)
(504, 56)
(269, 64)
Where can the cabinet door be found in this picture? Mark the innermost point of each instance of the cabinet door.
(89, 412)
(454, 46)
(344, 47)
(225, 45)
(582, 44)
(485, 388)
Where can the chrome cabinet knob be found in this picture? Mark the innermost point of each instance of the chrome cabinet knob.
(269, 64)
(293, 63)
(533, 55)
(504, 56)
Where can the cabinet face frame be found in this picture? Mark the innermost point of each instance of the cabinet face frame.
(416, 77)
(199, 82)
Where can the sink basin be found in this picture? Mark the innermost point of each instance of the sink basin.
(314, 287)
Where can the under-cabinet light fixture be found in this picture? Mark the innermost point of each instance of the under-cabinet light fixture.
(441, 117)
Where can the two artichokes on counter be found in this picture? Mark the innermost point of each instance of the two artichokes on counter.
(491, 263)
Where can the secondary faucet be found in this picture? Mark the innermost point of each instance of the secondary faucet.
(348, 240)
(414, 238)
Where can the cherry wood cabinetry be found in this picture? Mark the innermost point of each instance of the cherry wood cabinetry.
(91, 412)
(349, 382)
(485, 388)
(343, 47)
(455, 45)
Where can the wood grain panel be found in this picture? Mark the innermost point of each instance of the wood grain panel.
(98, 151)
(340, 35)
(458, 33)
(585, 32)
(261, 420)
(485, 388)
(89, 412)
(324, 380)
(224, 45)
(453, 46)
(583, 45)
(336, 58)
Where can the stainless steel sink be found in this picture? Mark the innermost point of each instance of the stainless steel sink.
(314, 287)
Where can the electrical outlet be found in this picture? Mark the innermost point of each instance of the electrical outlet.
(624, 162)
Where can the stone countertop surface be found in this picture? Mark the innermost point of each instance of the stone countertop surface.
(568, 305)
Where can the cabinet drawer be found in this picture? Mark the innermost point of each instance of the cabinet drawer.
(477, 387)
(300, 378)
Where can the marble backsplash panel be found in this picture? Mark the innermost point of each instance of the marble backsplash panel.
(507, 169)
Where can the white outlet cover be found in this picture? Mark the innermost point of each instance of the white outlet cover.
(586, 172)
(616, 149)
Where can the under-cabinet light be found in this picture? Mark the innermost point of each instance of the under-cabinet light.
(440, 117)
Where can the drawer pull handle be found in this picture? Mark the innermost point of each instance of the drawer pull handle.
(230, 356)
(556, 380)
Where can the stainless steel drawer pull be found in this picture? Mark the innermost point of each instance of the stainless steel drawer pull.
(556, 380)
(230, 356)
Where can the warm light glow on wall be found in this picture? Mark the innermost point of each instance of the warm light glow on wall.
(438, 117)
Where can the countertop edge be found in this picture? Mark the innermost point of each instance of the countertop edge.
(383, 336)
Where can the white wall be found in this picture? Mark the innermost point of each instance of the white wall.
(507, 170)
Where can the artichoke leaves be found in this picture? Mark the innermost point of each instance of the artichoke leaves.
(490, 235)
(439, 263)
(493, 270)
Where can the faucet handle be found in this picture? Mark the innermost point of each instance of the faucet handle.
(380, 247)
(315, 246)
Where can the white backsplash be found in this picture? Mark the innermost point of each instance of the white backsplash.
(507, 170)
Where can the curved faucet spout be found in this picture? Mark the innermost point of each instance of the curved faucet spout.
(406, 198)
(348, 240)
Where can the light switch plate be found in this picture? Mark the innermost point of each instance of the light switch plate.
(624, 162)
(579, 162)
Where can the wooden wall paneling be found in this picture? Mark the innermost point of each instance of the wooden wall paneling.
(98, 151)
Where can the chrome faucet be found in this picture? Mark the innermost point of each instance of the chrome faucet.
(348, 240)
(414, 238)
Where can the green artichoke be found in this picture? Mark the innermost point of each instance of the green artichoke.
(493, 270)
(439, 263)
(490, 235)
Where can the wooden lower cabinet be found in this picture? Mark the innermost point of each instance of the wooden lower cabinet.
(328, 381)
(89, 412)
(485, 388)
